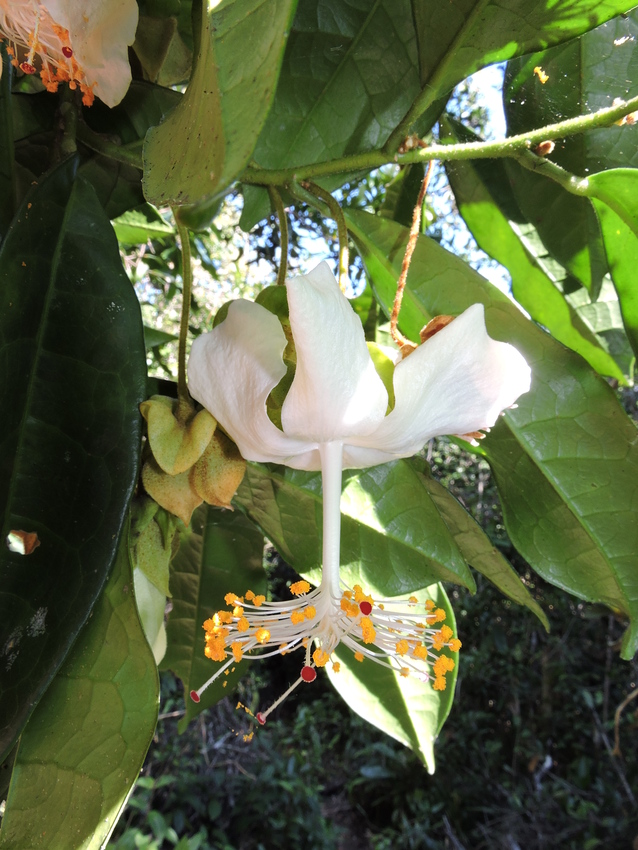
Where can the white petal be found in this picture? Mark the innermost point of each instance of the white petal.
(336, 392)
(100, 32)
(232, 370)
(458, 381)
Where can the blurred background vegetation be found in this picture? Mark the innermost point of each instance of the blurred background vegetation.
(525, 761)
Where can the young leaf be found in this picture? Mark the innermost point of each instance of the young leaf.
(72, 356)
(206, 141)
(578, 444)
(85, 743)
(403, 707)
(392, 537)
(220, 553)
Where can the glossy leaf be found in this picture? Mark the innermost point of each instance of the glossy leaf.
(204, 144)
(407, 709)
(583, 75)
(335, 96)
(500, 237)
(74, 368)
(614, 196)
(568, 437)
(84, 745)
(221, 552)
(475, 545)
(392, 537)
(457, 39)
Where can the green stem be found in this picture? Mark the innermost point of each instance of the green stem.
(539, 165)
(278, 204)
(126, 154)
(510, 146)
(342, 229)
(184, 406)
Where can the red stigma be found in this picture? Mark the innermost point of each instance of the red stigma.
(27, 67)
(66, 51)
(308, 674)
(195, 696)
(365, 607)
(260, 718)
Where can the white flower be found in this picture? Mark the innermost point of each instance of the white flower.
(82, 43)
(334, 416)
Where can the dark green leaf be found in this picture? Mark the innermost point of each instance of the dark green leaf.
(404, 708)
(349, 75)
(501, 238)
(73, 362)
(153, 337)
(583, 75)
(220, 553)
(475, 546)
(392, 537)
(85, 743)
(568, 437)
(205, 143)
(456, 39)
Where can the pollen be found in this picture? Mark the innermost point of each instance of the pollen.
(310, 612)
(402, 647)
(299, 588)
(243, 625)
(297, 617)
(367, 630)
(262, 635)
(439, 684)
(237, 650)
(358, 656)
(320, 657)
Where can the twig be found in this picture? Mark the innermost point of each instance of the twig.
(615, 762)
(397, 336)
(623, 705)
(278, 204)
(342, 230)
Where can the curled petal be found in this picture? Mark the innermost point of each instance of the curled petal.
(233, 369)
(336, 392)
(457, 382)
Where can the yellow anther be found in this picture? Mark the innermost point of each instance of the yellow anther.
(402, 647)
(439, 684)
(347, 594)
(233, 599)
(447, 632)
(215, 649)
(413, 600)
(243, 625)
(237, 651)
(405, 672)
(209, 624)
(249, 596)
(262, 635)
(350, 608)
(297, 617)
(438, 641)
(443, 665)
(258, 601)
(360, 596)
(320, 657)
(310, 612)
(367, 630)
(429, 605)
(336, 666)
(238, 611)
(358, 656)
(420, 651)
(299, 587)
(455, 645)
